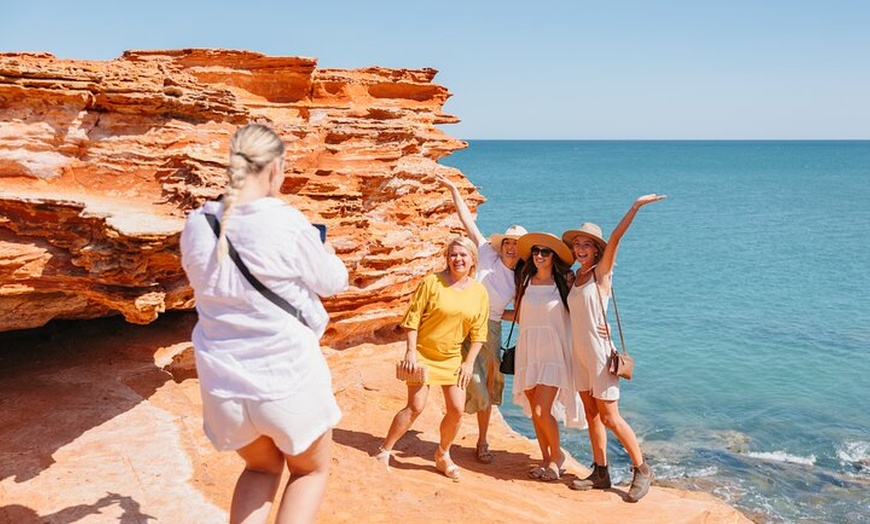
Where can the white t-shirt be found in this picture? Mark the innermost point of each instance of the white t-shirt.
(245, 345)
(496, 278)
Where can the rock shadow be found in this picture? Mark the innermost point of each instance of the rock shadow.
(61, 380)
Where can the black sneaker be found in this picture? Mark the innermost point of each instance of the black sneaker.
(598, 479)
(640, 483)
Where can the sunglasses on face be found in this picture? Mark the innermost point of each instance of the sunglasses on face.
(543, 251)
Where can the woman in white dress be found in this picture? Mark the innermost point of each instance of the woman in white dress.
(543, 384)
(599, 390)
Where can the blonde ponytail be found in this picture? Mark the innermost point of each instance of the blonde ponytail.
(252, 148)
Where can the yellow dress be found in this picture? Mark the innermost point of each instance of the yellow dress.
(444, 317)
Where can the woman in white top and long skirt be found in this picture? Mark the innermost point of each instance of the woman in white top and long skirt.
(497, 258)
(266, 388)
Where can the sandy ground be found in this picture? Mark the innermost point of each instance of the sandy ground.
(100, 422)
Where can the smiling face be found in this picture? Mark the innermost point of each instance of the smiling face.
(542, 257)
(586, 251)
(508, 253)
(459, 261)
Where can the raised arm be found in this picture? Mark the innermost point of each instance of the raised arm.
(605, 265)
(462, 210)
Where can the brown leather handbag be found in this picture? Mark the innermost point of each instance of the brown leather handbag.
(621, 364)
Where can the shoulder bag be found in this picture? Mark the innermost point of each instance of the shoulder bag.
(621, 364)
(508, 355)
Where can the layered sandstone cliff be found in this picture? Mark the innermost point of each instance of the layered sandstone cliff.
(101, 160)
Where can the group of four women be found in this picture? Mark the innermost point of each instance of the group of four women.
(453, 328)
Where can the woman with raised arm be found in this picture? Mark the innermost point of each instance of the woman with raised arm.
(266, 388)
(447, 307)
(498, 258)
(599, 390)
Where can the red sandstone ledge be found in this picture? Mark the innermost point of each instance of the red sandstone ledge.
(101, 423)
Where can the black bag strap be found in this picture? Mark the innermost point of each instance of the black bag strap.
(259, 286)
(511, 332)
(517, 309)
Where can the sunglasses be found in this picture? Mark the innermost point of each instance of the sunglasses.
(543, 251)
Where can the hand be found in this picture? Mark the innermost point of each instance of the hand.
(409, 363)
(648, 199)
(464, 372)
(444, 181)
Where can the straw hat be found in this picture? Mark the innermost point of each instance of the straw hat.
(525, 243)
(587, 229)
(514, 232)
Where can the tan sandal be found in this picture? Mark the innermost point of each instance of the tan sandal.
(550, 474)
(445, 464)
(383, 456)
(536, 472)
(484, 455)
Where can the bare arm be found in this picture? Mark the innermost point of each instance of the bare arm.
(466, 370)
(411, 349)
(605, 265)
(462, 210)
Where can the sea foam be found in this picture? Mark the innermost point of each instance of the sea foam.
(782, 456)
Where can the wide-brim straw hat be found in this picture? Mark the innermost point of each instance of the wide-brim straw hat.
(514, 232)
(525, 243)
(587, 229)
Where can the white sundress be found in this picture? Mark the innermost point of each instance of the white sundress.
(543, 354)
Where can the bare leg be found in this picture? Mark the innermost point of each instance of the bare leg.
(545, 452)
(257, 485)
(484, 415)
(597, 430)
(610, 417)
(309, 472)
(454, 399)
(406, 416)
(543, 409)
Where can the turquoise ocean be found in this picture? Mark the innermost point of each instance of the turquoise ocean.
(745, 299)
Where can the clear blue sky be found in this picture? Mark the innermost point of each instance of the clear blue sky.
(756, 69)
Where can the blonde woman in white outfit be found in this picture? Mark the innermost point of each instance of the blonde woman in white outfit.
(266, 389)
(599, 390)
(497, 259)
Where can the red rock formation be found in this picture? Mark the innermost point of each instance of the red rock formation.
(100, 161)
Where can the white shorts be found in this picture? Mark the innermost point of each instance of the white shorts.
(292, 422)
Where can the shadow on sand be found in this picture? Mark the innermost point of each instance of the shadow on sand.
(61, 380)
(23, 515)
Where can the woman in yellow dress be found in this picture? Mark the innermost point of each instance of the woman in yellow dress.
(446, 308)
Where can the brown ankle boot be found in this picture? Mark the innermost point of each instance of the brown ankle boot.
(598, 479)
(643, 477)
